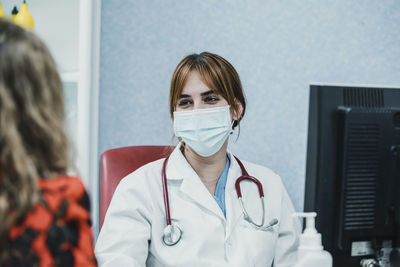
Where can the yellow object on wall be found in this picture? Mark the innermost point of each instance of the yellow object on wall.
(2, 14)
(14, 13)
(24, 18)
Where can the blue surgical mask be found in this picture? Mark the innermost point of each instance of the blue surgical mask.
(204, 130)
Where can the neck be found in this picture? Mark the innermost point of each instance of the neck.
(209, 169)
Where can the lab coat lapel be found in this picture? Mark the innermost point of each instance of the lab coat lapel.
(233, 209)
(192, 187)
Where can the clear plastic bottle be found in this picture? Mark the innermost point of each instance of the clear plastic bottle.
(311, 252)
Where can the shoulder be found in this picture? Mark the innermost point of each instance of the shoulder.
(271, 182)
(62, 215)
(68, 186)
(61, 190)
(136, 191)
(139, 183)
(148, 173)
(262, 173)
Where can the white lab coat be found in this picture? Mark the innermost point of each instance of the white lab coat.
(132, 231)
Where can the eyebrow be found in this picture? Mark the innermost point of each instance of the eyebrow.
(184, 96)
(210, 92)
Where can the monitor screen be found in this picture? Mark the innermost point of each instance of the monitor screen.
(353, 171)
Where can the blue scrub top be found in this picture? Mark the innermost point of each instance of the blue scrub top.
(219, 195)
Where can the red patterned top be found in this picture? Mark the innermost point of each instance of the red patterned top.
(57, 232)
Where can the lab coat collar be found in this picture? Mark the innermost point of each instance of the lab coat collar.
(233, 209)
(177, 165)
(178, 168)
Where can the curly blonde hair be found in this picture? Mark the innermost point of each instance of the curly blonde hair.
(33, 141)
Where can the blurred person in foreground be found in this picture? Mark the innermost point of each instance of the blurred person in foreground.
(45, 213)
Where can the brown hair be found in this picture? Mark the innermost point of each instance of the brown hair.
(33, 142)
(217, 73)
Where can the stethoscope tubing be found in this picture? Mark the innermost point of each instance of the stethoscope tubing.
(165, 193)
(172, 233)
(245, 176)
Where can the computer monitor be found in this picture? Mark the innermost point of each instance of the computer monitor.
(353, 170)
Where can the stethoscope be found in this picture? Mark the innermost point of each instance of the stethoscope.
(172, 233)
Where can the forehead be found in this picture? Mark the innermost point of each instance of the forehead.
(195, 84)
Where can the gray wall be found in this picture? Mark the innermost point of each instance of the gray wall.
(57, 23)
(278, 48)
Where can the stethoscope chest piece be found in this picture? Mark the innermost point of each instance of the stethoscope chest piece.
(172, 234)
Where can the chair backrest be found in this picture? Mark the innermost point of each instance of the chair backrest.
(116, 163)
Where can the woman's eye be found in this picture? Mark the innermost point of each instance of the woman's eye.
(211, 99)
(183, 103)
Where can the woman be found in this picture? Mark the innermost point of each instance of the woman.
(45, 214)
(206, 104)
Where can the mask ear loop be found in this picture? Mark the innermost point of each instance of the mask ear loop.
(232, 124)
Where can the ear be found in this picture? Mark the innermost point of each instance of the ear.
(237, 114)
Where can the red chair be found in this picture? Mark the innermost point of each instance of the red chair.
(116, 163)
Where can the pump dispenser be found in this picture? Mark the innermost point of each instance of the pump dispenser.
(311, 252)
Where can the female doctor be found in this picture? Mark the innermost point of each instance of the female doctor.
(216, 216)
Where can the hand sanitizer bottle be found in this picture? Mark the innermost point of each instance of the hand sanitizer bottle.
(311, 252)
